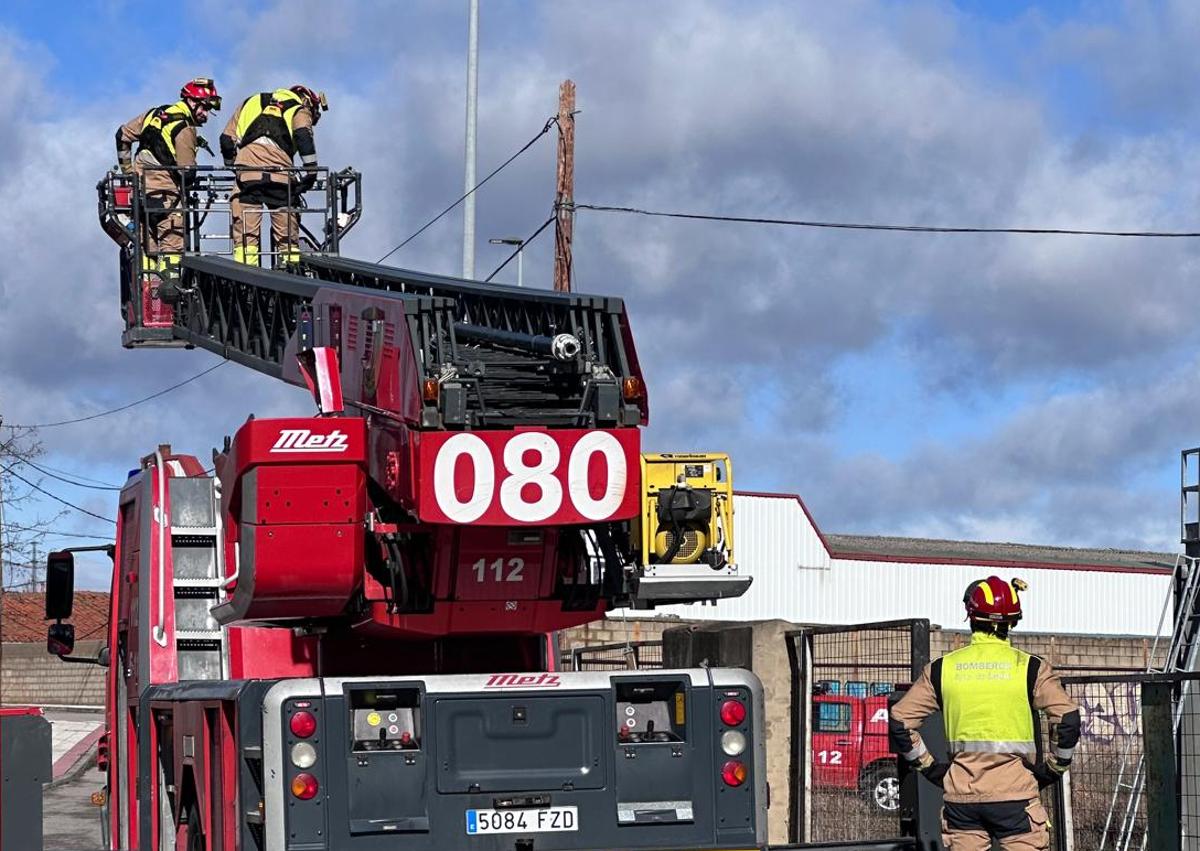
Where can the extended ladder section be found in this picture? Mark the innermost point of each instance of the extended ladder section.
(496, 357)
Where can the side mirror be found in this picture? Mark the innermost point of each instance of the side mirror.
(60, 586)
(60, 639)
(104, 657)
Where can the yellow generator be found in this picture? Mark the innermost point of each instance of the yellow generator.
(685, 532)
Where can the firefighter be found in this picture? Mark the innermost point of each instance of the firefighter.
(260, 141)
(989, 693)
(167, 142)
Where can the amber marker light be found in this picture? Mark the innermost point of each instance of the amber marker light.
(304, 786)
(733, 773)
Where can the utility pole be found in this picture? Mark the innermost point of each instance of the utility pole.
(468, 264)
(564, 195)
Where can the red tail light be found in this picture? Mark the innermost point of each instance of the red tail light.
(304, 786)
(733, 713)
(303, 724)
(734, 773)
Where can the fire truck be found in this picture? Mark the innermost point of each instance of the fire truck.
(339, 634)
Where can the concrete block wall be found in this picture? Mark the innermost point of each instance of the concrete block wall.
(1097, 653)
(31, 676)
(1070, 653)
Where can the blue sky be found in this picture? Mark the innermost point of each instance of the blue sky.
(977, 387)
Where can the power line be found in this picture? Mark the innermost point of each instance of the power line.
(520, 248)
(751, 220)
(550, 122)
(63, 479)
(51, 534)
(55, 497)
(46, 467)
(125, 407)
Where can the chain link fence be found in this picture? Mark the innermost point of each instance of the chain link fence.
(849, 778)
(1134, 783)
(624, 655)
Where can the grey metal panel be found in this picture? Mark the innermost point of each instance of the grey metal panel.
(520, 743)
(192, 561)
(192, 614)
(192, 502)
(25, 761)
(200, 664)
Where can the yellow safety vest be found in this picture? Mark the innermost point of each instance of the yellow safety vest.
(160, 126)
(271, 115)
(985, 692)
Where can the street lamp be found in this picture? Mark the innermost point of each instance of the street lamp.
(520, 244)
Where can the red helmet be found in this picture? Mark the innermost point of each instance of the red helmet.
(315, 101)
(994, 600)
(204, 90)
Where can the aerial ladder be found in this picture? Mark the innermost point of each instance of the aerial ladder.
(343, 637)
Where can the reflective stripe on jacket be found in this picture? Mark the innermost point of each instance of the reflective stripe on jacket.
(985, 691)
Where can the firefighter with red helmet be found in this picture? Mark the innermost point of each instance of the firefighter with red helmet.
(989, 694)
(261, 141)
(167, 139)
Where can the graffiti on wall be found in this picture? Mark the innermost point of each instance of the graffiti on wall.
(1110, 712)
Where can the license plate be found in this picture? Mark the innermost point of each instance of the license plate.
(532, 820)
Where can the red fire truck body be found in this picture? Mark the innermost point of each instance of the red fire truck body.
(340, 638)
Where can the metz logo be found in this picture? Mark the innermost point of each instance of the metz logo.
(303, 440)
(523, 681)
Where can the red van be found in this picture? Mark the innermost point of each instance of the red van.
(850, 748)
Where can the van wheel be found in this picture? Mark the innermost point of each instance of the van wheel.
(883, 789)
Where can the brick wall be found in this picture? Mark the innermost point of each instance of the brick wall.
(30, 675)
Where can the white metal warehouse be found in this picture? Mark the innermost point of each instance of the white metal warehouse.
(804, 576)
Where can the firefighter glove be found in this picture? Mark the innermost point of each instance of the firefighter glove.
(935, 773)
(308, 181)
(1049, 772)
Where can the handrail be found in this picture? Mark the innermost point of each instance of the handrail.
(159, 633)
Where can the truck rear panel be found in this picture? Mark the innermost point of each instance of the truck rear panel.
(635, 760)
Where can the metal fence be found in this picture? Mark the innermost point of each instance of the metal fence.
(846, 782)
(631, 655)
(1134, 783)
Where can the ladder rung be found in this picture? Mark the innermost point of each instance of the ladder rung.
(193, 582)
